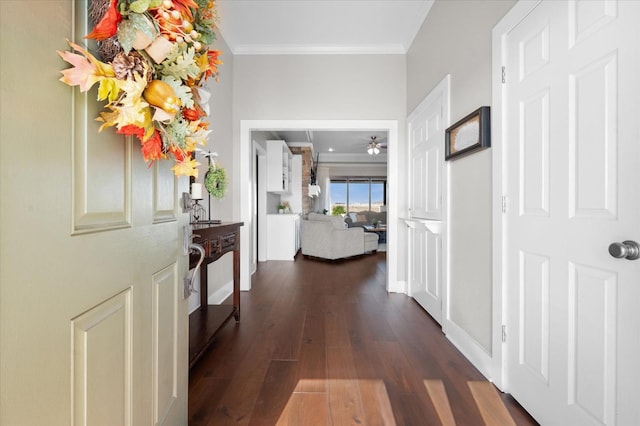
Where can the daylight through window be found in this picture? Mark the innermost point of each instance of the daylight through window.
(349, 195)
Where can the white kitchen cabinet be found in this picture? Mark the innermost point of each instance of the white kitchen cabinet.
(294, 197)
(278, 167)
(283, 236)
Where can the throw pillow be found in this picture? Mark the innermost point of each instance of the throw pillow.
(361, 218)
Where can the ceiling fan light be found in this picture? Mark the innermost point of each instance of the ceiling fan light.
(373, 148)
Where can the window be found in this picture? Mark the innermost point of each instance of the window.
(338, 191)
(358, 194)
(378, 195)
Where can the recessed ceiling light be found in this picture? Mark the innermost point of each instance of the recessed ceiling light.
(330, 149)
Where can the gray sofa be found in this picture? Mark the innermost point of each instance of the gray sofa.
(327, 237)
(364, 218)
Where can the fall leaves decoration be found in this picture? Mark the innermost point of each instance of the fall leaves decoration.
(154, 60)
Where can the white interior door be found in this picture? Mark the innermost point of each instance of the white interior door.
(94, 327)
(572, 153)
(426, 126)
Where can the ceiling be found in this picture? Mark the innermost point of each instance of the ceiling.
(260, 27)
(337, 146)
(253, 27)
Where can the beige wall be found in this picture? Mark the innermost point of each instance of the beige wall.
(456, 39)
(221, 121)
(352, 170)
(317, 87)
(221, 141)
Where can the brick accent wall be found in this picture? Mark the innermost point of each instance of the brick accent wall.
(307, 163)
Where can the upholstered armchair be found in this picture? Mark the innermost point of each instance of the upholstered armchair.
(329, 238)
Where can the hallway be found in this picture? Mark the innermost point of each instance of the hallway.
(323, 343)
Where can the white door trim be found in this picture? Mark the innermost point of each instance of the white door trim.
(500, 31)
(245, 168)
(260, 197)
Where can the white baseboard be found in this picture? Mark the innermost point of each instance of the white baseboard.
(470, 348)
(397, 286)
(219, 296)
(215, 298)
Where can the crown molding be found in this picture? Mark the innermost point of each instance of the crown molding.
(303, 49)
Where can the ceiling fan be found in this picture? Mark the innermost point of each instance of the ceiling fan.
(374, 147)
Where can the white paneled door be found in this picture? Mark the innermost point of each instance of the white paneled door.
(94, 328)
(571, 161)
(427, 177)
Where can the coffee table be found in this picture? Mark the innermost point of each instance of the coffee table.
(380, 230)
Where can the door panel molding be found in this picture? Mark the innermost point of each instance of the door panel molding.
(587, 17)
(591, 383)
(533, 346)
(534, 174)
(593, 184)
(165, 193)
(101, 161)
(101, 360)
(165, 329)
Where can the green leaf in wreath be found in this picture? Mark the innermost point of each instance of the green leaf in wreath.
(180, 64)
(139, 6)
(143, 24)
(126, 35)
(182, 91)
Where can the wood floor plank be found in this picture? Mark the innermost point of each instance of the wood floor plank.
(398, 372)
(202, 396)
(337, 333)
(366, 359)
(438, 395)
(238, 401)
(277, 388)
(309, 409)
(286, 342)
(375, 403)
(345, 407)
(490, 404)
(345, 404)
(413, 408)
(312, 363)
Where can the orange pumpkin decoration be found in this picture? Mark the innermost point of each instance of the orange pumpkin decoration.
(161, 95)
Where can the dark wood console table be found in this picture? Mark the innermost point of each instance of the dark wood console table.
(208, 319)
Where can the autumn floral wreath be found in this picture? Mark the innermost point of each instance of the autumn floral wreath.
(154, 59)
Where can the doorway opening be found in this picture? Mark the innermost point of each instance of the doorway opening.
(248, 178)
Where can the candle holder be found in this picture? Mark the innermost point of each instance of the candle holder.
(197, 212)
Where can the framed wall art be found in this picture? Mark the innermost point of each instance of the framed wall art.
(468, 135)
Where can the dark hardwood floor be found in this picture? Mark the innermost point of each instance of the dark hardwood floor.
(323, 343)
